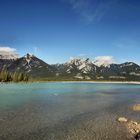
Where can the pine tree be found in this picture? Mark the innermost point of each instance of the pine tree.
(25, 78)
(20, 77)
(5, 76)
(15, 77)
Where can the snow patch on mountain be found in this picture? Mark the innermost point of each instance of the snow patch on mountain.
(117, 77)
(134, 74)
(28, 58)
(87, 78)
(83, 65)
(99, 77)
(79, 76)
(79, 63)
(127, 64)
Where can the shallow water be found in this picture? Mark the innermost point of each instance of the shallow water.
(66, 111)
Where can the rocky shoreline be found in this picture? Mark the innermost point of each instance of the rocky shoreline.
(132, 126)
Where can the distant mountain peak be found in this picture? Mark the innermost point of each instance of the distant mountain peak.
(126, 64)
(79, 61)
(28, 55)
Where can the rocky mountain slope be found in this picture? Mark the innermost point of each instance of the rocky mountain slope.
(75, 69)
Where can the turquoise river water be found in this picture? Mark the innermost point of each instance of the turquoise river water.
(66, 111)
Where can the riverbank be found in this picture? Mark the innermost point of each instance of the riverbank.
(100, 82)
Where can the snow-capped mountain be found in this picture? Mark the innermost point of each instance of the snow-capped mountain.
(84, 69)
(83, 65)
(7, 56)
(75, 69)
(31, 65)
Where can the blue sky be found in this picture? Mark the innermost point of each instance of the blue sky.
(56, 30)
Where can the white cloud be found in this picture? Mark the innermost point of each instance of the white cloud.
(8, 53)
(91, 11)
(103, 60)
(7, 49)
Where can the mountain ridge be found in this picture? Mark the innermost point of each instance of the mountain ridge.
(75, 69)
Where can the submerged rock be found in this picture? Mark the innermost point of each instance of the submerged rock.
(136, 107)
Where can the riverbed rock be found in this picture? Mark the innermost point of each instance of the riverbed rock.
(122, 119)
(137, 137)
(132, 126)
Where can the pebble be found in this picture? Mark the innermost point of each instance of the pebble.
(122, 119)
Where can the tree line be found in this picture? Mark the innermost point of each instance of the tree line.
(6, 76)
